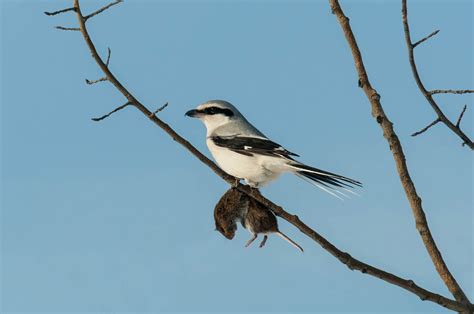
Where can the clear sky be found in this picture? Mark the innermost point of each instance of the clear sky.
(115, 216)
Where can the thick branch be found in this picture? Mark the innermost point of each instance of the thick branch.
(428, 94)
(351, 262)
(345, 258)
(399, 157)
(111, 78)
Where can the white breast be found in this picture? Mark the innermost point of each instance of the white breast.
(256, 170)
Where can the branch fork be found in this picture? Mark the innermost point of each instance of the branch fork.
(429, 94)
(104, 78)
(158, 110)
(84, 18)
(425, 38)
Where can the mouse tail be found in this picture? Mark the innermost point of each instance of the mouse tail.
(284, 236)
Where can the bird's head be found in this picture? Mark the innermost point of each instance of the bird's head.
(214, 113)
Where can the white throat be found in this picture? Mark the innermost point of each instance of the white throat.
(214, 122)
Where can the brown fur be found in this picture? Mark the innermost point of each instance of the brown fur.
(229, 210)
(259, 218)
(235, 206)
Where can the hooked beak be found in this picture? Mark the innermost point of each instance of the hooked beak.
(193, 113)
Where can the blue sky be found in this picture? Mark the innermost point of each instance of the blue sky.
(115, 216)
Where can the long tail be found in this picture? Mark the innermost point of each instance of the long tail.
(284, 236)
(329, 182)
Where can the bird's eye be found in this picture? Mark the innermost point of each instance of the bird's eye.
(211, 110)
(217, 110)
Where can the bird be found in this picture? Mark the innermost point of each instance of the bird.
(244, 152)
(235, 206)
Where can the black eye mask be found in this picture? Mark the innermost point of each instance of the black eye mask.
(217, 110)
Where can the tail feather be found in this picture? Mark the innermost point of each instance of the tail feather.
(320, 186)
(326, 176)
(327, 181)
(284, 236)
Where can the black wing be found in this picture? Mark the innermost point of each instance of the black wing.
(252, 145)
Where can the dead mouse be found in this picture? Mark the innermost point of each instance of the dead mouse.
(230, 209)
(235, 206)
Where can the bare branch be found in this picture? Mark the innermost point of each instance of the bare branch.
(426, 128)
(345, 258)
(159, 109)
(113, 111)
(460, 116)
(426, 38)
(400, 161)
(90, 82)
(60, 11)
(109, 52)
(102, 79)
(428, 94)
(101, 9)
(351, 262)
(451, 91)
(67, 28)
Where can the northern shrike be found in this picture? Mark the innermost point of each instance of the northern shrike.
(244, 152)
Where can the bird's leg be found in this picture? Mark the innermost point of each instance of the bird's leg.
(251, 240)
(236, 183)
(262, 244)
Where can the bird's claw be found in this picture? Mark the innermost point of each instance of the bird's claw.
(236, 183)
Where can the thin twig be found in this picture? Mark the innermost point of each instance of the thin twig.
(451, 91)
(159, 109)
(90, 82)
(424, 91)
(113, 111)
(426, 127)
(101, 9)
(109, 52)
(342, 256)
(460, 116)
(60, 11)
(67, 28)
(400, 161)
(102, 79)
(426, 38)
